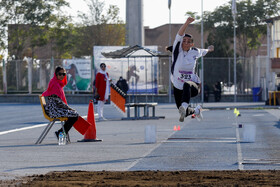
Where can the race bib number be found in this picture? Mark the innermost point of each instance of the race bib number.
(186, 76)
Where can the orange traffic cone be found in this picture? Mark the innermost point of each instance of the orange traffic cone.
(179, 128)
(90, 135)
(175, 128)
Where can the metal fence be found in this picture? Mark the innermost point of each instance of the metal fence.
(250, 73)
(19, 74)
(1, 77)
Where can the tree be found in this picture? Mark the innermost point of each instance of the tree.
(64, 41)
(29, 20)
(250, 25)
(250, 29)
(98, 28)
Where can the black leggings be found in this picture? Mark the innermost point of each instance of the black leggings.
(190, 89)
(68, 124)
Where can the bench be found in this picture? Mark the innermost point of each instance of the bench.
(137, 111)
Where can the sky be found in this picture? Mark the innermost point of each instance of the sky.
(156, 12)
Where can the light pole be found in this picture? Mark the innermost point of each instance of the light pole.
(169, 82)
(267, 65)
(234, 12)
(202, 64)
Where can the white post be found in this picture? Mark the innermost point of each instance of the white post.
(234, 12)
(265, 92)
(273, 38)
(52, 68)
(17, 73)
(258, 71)
(29, 60)
(4, 78)
(267, 75)
(146, 78)
(234, 58)
(42, 74)
(229, 74)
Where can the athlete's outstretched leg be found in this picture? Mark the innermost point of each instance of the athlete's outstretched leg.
(178, 99)
(190, 89)
(194, 90)
(178, 96)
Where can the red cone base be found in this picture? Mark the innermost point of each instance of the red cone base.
(90, 140)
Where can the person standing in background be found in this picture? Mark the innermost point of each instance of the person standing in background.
(122, 84)
(217, 91)
(102, 89)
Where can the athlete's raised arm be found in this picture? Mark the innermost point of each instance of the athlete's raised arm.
(183, 28)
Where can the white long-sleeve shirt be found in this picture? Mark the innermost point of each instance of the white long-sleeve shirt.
(183, 67)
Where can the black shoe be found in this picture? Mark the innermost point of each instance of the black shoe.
(56, 133)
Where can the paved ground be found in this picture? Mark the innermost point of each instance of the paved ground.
(216, 143)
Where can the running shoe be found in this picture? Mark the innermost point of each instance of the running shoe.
(198, 112)
(182, 112)
(102, 119)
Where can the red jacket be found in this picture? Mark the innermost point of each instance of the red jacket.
(100, 84)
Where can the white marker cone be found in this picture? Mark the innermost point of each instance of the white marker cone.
(150, 134)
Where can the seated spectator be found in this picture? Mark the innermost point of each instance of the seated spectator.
(56, 105)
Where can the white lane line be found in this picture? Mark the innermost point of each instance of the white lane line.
(27, 128)
(146, 154)
(200, 138)
(201, 141)
(256, 115)
(22, 129)
(239, 153)
(141, 157)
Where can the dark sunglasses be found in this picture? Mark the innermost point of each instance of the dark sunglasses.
(61, 74)
(103, 66)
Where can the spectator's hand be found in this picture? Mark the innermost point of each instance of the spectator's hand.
(211, 48)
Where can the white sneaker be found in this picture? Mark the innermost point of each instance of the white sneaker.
(198, 112)
(102, 119)
(182, 112)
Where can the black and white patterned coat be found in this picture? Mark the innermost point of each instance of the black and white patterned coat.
(55, 108)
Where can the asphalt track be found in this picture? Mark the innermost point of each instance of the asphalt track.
(216, 143)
